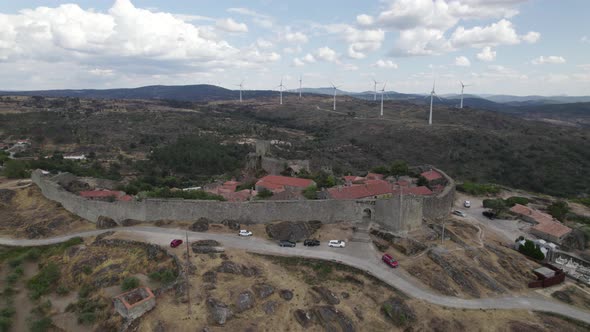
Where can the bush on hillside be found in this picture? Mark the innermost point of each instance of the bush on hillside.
(264, 193)
(511, 201)
(130, 283)
(558, 210)
(478, 188)
(43, 282)
(530, 249)
(497, 205)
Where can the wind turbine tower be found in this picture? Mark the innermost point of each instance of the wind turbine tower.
(432, 95)
(281, 91)
(375, 89)
(462, 88)
(241, 85)
(382, 93)
(300, 80)
(335, 89)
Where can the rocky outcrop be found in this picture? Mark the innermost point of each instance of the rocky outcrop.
(327, 295)
(231, 224)
(229, 267)
(270, 307)
(457, 275)
(105, 222)
(292, 231)
(304, 317)
(245, 301)
(263, 290)
(332, 319)
(201, 225)
(396, 310)
(286, 294)
(206, 247)
(6, 195)
(219, 311)
(210, 277)
(130, 222)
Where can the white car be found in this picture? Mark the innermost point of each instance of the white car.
(336, 244)
(459, 213)
(244, 232)
(467, 204)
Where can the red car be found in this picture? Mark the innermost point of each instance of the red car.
(388, 259)
(175, 243)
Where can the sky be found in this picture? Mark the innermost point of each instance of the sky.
(517, 47)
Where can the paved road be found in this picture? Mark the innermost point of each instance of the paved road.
(358, 255)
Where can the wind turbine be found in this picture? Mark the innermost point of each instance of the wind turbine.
(281, 90)
(462, 88)
(241, 85)
(335, 89)
(382, 93)
(375, 95)
(432, 94)
(300, 80)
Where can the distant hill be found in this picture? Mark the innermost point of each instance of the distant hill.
(538, 100)
(194, 93)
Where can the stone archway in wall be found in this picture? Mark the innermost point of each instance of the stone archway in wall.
(367, 214)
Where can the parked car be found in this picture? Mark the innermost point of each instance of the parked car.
(467, 204)
(311, 242)
(459, 213)
(286, 243)
(389, 260)
(489, 214)
(336, 244)
(244, 232)
(175, 243)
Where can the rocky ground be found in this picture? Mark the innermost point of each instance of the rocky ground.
(25, 213)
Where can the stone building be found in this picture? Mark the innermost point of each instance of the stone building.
(135, 303)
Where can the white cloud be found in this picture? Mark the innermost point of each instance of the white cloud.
(101, 72)
(298, 62)
(327, 54)
(263, 43)
(309, 58)
(552, 59)
(230, 25)
(350, 67)
(365, 19)
(500, 33)
(531, 37)
(296, 37)
(421, 41)
(462, 61)
(584, 39)
(360, 41)
(486, 54)
(262, 20)
(388, 64)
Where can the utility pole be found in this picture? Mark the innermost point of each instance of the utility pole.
(442, 238)
(188, 285)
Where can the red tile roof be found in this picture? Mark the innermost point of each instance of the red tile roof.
(126, 198)
(101, 193)
(374, 176)
(285, 181)
(374, 188)
(432, 175)
(545, 222)
(349, 178)
(422, 190)
(554, 228)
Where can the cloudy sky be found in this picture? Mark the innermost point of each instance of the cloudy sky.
(497, 46)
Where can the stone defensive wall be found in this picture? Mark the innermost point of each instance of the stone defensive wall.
(439, 206)
(395, 214)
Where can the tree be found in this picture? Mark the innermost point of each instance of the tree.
(559, 210)
(16, 169)
(422, 181)
(496, 205)
(311, 192)
(264, 193)
(530, 249)
(511, 201)
(399, 167)
(129, 283)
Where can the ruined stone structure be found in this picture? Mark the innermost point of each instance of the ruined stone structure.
(263, 160)
(396, 214)
(135, 303)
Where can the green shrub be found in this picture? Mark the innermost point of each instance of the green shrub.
(130, 283)
(86, 269)
(43, 282)
(530, 249)
(585, 201)
(165, 276)
(33, 254)
(264, 193)
(558, 210)
(41, 325)
(478, 188)
(62, 290)
(311, 192)
(511, 201)
(87, 318)
(15, 262)
(497, 205)
(5, 324)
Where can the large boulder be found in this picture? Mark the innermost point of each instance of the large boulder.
(210, 276)
(332, 319)
(6, 195)
(201, 225)
(303, 317)
(286, 294)
(231, 224)
(219, 311)
(206, 247)
(263, 290)
(229, 267)
(327, 295)
(398, 311)
(105, 222)
(245, 301)
(130, 222)
(292, 231)
(270, 307)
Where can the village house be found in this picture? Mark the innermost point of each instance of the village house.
(546, 227)
(277, 183)
(106, 195)
(372, 186)
(228, 190)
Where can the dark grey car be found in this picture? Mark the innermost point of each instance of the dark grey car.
(285, 243)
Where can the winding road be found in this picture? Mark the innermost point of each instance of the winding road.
(359, 255)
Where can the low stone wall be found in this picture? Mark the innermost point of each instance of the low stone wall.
(394, 214)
